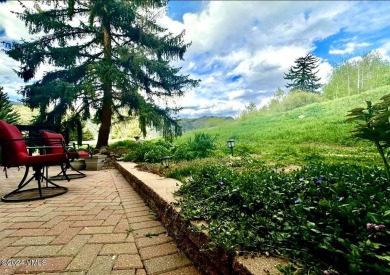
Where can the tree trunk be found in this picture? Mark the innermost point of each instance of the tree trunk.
(105, 127)
(358, 79)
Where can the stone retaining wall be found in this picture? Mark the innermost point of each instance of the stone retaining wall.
(157, 193)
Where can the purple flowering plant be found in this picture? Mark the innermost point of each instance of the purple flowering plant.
(317, 217)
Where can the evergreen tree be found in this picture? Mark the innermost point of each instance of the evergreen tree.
(251, 108)
(108, 56)
(6, 111)
(303, 76)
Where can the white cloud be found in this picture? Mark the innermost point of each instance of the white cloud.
(325, 72)
(366, 17)
(225, 25)
(384, 51)
(236, 94)
(15, 28)
(349, 48)
(8, 78)
(245, 47)
(241, 49)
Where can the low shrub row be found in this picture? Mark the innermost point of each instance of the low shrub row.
(327, 219)
(201, 146)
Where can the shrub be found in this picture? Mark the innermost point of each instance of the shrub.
(125, 147)
(373, 124)
(183, 152)
(164, 143)
(292, 100)
(298, 99)
(202, 146)
(146, 151)
(155, 153)
(130, 144)
(323, 217)
(138, 154)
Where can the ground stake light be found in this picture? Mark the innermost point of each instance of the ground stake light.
(165, 161)
(230, 144)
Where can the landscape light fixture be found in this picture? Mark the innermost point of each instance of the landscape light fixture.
(230, 144)
(165, 161)
(136, 138)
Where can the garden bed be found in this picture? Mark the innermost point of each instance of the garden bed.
(323, 217)
(158, 193)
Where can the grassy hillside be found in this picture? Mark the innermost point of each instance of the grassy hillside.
(314, 132)
(190, 124)
(26, 115)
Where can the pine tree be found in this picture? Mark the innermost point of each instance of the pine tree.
(109, 56)
(6, 111)
(303, 75)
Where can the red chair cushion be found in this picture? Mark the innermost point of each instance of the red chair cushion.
(53, 139)
(16, 151)
(83, 154)
(46, 159)
(73, 155)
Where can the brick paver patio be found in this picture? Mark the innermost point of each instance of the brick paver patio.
(100, 226)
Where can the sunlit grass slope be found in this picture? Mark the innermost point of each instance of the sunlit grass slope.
(314, 132)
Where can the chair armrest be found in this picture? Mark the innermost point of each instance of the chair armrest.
(38, 144)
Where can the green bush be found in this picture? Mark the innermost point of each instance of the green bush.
(126, 148)
(183, 152)
(138, 152)
(322, 217)
(164, 143)
(202, 146)
(155, 153)
(293, 100)
(130, 144)
(373, 124)
(298, 99)
(146, 151)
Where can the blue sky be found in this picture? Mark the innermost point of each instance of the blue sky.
(241, 49)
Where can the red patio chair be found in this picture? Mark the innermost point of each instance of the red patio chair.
(15, 154)
(50, 139)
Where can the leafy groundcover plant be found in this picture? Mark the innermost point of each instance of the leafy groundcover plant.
(326, 219)
(374, 125)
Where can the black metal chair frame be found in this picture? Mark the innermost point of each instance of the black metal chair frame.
(62, 175)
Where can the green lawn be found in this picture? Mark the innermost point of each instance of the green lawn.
(316, 131)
